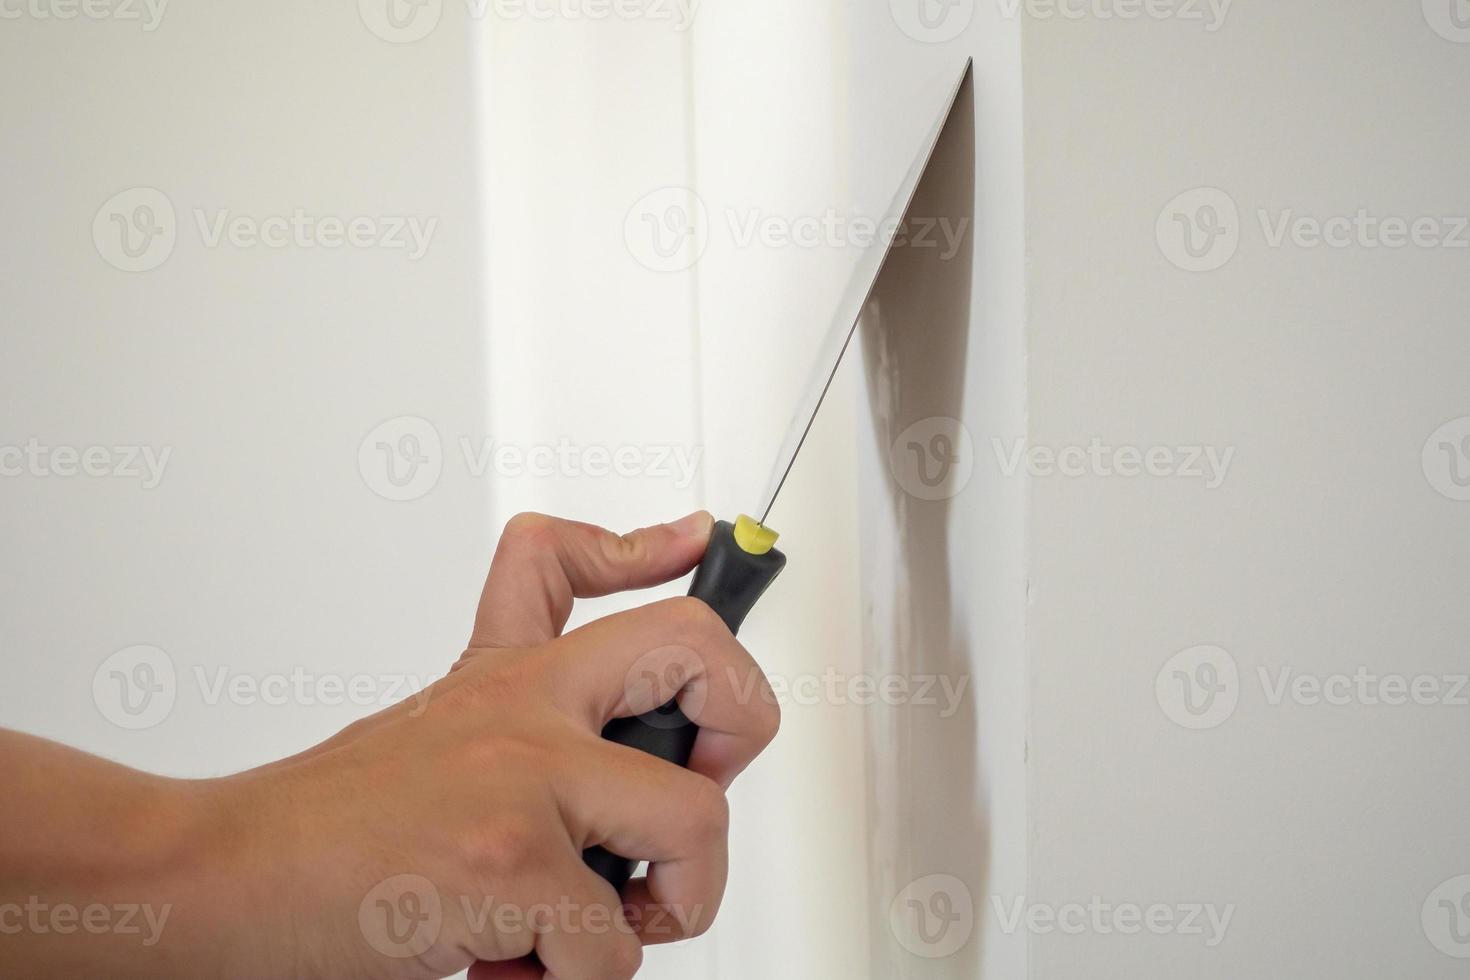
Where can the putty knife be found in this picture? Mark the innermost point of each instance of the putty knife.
(741, 560)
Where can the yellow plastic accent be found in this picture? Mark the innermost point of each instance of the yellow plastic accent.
(753, 537)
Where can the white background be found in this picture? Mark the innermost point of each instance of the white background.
(1070, 316)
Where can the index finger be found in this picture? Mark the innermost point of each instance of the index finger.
(542, 563)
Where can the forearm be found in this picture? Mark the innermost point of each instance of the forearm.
(105, 870)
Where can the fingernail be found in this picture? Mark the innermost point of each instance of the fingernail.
(696, 525)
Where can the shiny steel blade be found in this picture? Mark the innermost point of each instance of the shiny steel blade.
(855, 296)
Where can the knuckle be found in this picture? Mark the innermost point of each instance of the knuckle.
(709, 810)
(698, 924)
(696, 617)
(632, 547)
(508, 848)
(767, 717)
(619, 556)
(528, 527)
(624, 958)
(760, 708)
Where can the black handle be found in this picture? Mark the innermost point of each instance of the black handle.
(730, 580)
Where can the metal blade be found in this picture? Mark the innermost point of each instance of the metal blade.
(855, 297)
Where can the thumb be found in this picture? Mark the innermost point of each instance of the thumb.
(542, 563)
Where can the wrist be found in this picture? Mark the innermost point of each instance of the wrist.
(230, 863)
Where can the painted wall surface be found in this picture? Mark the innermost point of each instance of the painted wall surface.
(766, 164)
(1168, 309)
(943, 546)
(268, 557)
(591, 333)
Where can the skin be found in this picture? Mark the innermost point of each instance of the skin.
(439, 834)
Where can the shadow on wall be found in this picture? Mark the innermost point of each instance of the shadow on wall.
(923, 796)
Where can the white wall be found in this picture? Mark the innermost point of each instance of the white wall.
(593, 129)
(580, 120)
(263, 550)
(944, 566)
(760, 155)
(1324, 550)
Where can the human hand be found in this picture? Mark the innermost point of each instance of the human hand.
(448, 830)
